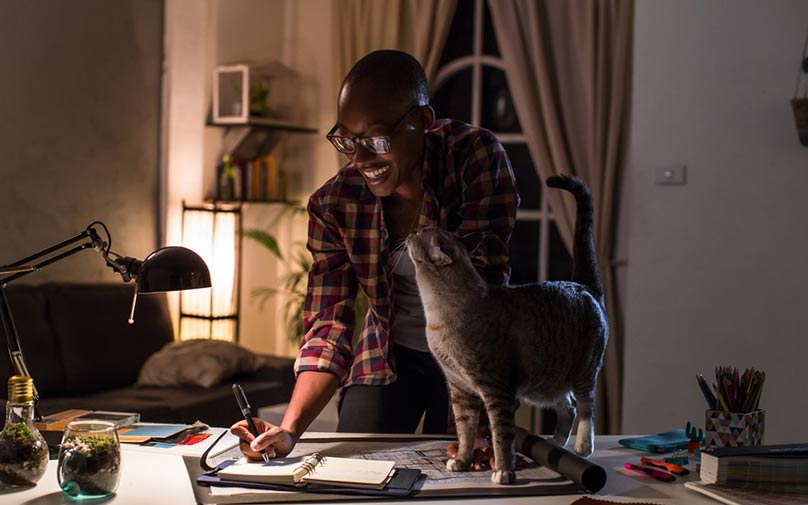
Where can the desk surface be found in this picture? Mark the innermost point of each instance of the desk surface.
(161, 478)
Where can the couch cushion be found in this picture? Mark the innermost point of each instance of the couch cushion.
(40, 346)
(100, 350)
(198, 362)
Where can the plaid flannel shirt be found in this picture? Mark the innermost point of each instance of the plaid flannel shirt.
(468, 186)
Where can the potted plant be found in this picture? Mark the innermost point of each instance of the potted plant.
(295, 282)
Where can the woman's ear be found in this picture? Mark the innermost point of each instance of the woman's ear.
(426, 116)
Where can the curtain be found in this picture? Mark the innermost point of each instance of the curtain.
(418, 27)
(569, 70)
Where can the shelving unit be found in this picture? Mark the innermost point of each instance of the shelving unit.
(256, 136)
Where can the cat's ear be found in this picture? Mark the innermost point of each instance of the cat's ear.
(439, 257)
(471, 241)
(436, 254)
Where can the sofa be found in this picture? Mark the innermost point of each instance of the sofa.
(83, 354)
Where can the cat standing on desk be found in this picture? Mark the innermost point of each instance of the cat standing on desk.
(542, 342)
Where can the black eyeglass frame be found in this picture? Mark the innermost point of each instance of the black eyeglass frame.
(371, 144)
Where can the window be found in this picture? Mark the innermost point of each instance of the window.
(471, 85)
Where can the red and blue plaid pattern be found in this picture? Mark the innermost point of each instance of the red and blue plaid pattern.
(468, 187)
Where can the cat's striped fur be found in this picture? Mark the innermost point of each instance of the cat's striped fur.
(542, 343)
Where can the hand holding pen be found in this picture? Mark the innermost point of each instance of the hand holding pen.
(262, 437)
(246, 411)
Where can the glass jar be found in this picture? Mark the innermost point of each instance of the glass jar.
(23, 450)
(89, 459)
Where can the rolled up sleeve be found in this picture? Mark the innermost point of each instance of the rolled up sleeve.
(328, 315)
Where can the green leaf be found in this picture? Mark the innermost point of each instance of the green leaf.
(265, 239)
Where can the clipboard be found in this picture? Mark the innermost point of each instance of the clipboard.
(400, 485)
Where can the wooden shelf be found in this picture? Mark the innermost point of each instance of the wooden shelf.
(256, 136)
(268, 124)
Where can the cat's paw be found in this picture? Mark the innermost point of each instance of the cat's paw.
(584, 446)
(457, 465)
(560, 440)
(503, 476)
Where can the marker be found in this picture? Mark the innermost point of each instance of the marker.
(658, 475)
(244, 406)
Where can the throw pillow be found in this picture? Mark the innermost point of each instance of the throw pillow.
(203, 363)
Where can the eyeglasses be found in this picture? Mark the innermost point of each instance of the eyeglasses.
(376, 145)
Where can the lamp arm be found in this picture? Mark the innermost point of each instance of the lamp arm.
(125, 266)
(13, 344)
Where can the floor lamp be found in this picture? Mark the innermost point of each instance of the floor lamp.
(214, 231)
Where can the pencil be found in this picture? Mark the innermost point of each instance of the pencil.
(705, 390)
(720, 399)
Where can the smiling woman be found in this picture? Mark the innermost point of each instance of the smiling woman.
(404, 170)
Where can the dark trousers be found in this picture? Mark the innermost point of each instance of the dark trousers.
(420, 388)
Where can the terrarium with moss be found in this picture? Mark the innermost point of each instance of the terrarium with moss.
(89, 460)
(23, 451)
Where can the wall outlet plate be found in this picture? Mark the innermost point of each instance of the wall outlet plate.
(670, 174)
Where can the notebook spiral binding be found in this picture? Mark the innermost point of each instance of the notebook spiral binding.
(310, 465)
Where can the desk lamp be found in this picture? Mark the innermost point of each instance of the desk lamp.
(166, 269)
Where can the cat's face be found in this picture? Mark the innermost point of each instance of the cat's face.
(437, 248)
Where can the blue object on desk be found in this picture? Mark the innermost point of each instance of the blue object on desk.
(156, 431)
(660, 443)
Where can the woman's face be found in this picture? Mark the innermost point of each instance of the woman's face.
(364, 111)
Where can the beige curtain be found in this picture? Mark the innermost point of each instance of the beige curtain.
(569, 70)
(418, 27)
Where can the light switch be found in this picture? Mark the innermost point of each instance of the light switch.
(670, 174)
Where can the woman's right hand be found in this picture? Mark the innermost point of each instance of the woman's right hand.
(275, 440)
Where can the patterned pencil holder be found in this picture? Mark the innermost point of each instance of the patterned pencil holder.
(733, 429)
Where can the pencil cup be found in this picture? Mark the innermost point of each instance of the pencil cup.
(733, 429)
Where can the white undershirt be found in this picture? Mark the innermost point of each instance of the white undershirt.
(409, 323)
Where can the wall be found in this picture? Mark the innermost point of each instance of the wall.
(716, 267)
(80, 96)
(297, 33)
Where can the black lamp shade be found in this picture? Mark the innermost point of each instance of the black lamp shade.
(172, 269)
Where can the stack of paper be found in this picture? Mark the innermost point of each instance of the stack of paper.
(781, 468)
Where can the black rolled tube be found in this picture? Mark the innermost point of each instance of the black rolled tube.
(558, 459)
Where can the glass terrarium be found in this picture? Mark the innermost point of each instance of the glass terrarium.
(23, 450)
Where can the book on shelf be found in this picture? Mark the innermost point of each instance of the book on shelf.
(313, 469)
(768, 467)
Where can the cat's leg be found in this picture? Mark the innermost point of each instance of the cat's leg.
(565, 413)
(500, 407)
(466, 407)
(585, 437)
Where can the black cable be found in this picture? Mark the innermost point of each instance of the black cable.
(106, 231)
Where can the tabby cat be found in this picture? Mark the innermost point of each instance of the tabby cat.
(542, 343)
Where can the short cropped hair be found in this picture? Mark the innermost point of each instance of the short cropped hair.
(396, 71)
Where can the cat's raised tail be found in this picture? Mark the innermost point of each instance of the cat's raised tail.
(584, 259)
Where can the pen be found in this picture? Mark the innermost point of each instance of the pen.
(244, 406)
(658, 475)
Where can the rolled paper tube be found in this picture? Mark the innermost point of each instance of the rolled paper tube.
(558, 459)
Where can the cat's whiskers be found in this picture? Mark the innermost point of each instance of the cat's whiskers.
(398, 252)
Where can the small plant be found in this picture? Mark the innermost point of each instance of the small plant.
(23, 455)
(295, 283)
(693, 434)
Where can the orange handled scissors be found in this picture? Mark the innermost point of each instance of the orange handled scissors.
(670, 467)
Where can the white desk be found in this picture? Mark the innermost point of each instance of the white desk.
(150, 477)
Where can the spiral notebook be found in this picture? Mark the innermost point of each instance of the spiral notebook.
(316, 469)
